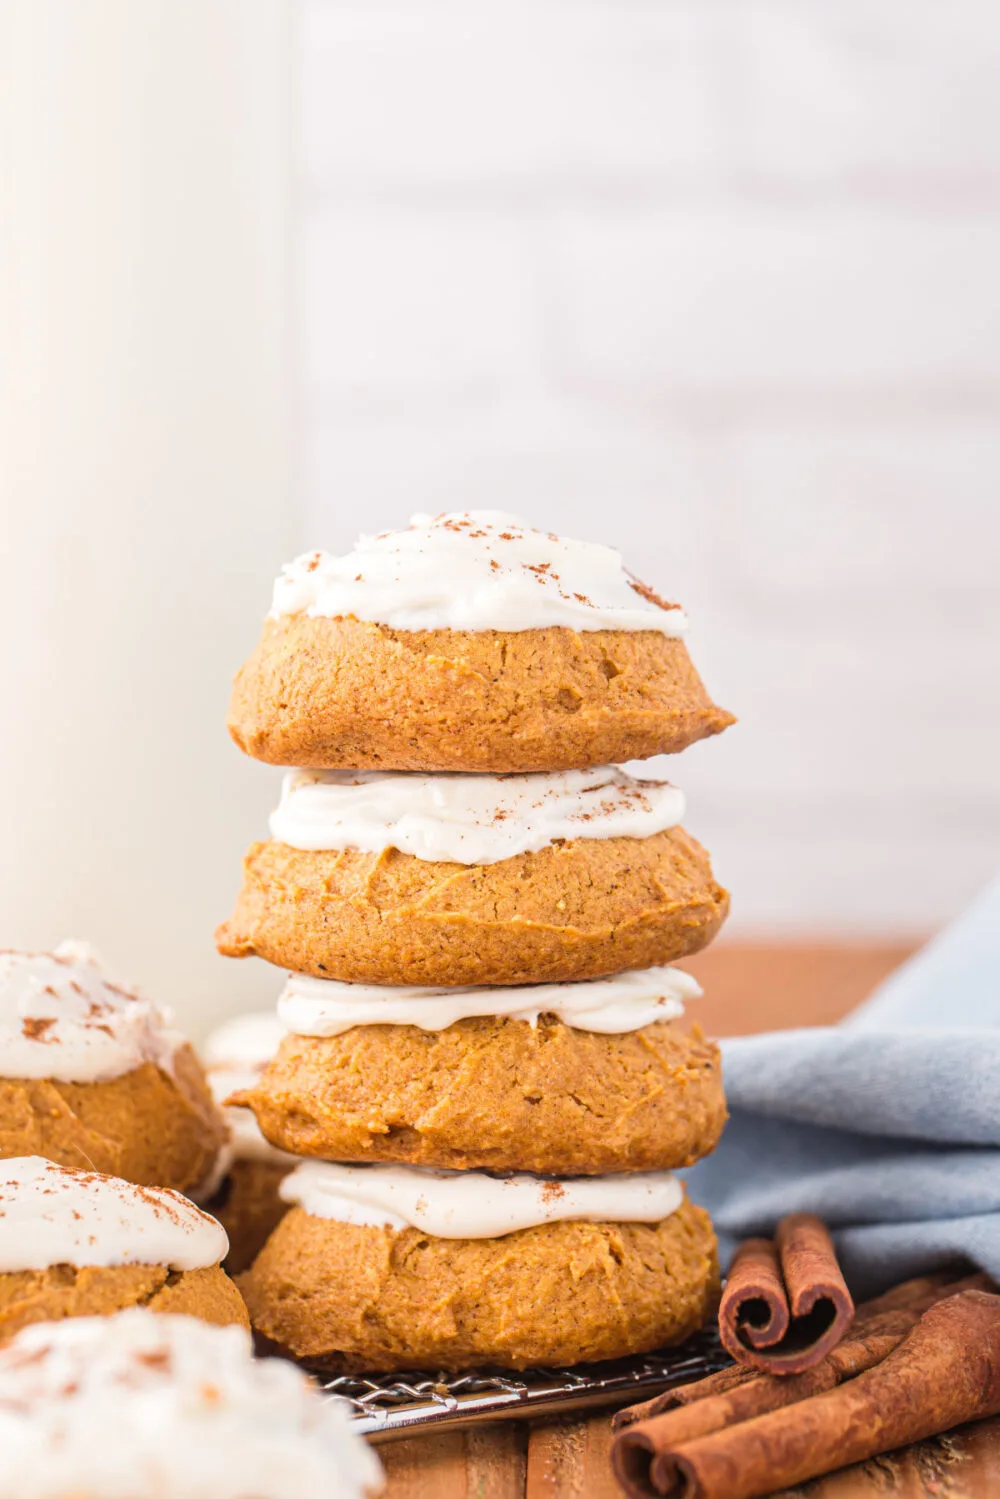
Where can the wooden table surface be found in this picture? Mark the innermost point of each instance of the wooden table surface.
(747, 988)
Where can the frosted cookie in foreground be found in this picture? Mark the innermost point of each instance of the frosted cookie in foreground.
(555, 1078)
(243, 1194)
(398, 1268)
(468, 642)
(94, 1075)
(76, 1244)
(396, 878)
(168, 1408)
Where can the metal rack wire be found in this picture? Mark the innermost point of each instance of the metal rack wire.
(393, 1405)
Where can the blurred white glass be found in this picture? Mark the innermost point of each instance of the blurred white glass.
(144, 433)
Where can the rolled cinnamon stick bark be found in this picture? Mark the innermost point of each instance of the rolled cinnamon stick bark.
(879, 1325)
(785, 1304)
(761, 1393)
(719, 1383)
(945, 1371)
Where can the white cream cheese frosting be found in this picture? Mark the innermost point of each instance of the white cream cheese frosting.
(474, 570)
(61, 1017)
(235, 1055)
(468, 819)
(473, 1205)
(612, 1006)
(53, 1215)
(168, 1407)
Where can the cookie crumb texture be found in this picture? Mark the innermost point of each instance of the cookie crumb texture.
(28, 1296)
(575, 910)
(249, 1208)
(496, 1094)
(345, 1297)
(146, 1126)
(346, 694)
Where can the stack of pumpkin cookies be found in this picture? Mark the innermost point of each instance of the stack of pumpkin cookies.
(478, 905)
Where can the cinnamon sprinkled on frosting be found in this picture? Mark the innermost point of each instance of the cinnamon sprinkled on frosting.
(55, 1215)
(170, 1408)
(474, 570)
(62, 1017)
(468, 819)
(473, 1204)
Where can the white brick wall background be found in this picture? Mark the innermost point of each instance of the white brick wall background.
(715, 281)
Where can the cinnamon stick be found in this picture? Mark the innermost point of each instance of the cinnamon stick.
(785, 1304)
(943, 1372)
(888, 1317)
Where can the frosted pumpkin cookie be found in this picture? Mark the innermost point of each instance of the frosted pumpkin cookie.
(468, 642)
(390, 1267)
(168, 1408)
(560, 1078)
(76, 1244)
(394, 878)
(94, 1075)
(243, 1194)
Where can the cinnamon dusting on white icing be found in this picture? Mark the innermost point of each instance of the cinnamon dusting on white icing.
(474, 570)
(170, 1408)
(473, 1204)
(62, 1017)
(468, 819)
(55, 1215)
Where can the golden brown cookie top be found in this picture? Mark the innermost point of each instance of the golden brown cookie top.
(474, 570)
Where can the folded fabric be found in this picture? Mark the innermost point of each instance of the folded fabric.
(887, 1126)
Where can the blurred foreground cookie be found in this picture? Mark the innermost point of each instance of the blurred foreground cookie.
(76, 1244)
(390, 1267)
(93, 1075)
(558, 1078)
(167, 1408)
(393, 878)
(468, 642)
(243, 1193)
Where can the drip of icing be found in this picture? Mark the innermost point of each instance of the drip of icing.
(171, 1408)
(468, 819)
(627, 1002)
(61, 1017)
(474, 570)
(53, 1215)
(472, 1205)
(235, 1055)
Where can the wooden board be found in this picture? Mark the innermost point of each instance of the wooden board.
(747, 988)
(569, 1460)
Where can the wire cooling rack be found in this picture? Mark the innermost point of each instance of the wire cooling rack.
(393, 1406)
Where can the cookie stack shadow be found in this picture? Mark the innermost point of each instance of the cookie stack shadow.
(483, 1070)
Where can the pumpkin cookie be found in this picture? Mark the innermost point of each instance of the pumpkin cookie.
(77, 1244)
(168, 1406)
(562, 1079)
(468, 642)
(243, 1194)
(93, 1075)
(454, 880)
(394, 1268)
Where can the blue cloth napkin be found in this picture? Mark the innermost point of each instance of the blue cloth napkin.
(887, 1126)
